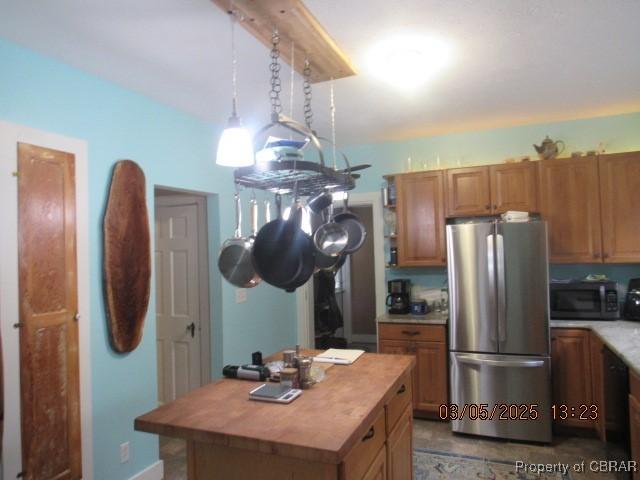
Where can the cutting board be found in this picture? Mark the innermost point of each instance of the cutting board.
(127, 256)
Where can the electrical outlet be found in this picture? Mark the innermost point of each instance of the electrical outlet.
(241, 295)
(124, 452)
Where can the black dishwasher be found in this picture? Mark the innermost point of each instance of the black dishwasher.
(616, 388)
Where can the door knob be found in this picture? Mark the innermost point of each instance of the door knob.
(192, 329)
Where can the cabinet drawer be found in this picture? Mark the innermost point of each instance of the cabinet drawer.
(359, 459)
(401, 398)
(411, 331)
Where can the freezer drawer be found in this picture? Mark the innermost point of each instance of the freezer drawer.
(518, 386)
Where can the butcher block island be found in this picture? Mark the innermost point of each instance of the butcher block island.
(355, 424)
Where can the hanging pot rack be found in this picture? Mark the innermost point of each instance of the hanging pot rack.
(282, 175)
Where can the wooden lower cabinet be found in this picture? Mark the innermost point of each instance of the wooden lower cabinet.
(597, 384)
(428, 344)
(378, 469)
(400, 448)
(634, 431)
(571, 374)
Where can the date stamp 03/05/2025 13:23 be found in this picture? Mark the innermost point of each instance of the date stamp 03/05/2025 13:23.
(514, 411)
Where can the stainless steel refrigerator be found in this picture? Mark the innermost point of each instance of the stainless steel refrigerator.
(499, 329)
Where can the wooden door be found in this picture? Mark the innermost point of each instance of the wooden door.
(597, 384)
(378, 468)
(400, 449)
(49, 368)
(514, 186)
(420, 219)
(177, 300)
(634, 431)
(570, 203)
(620, 199)
(430, 387)
(468, 192)
(571, 372)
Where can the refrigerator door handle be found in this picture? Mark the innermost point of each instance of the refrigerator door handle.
(491, 275)
(501, 363)
(502, 289)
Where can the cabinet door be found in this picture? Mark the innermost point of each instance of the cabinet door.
(620, 197)
(571, 372)
(597, 384)
(430, 384)
(420, 219)
(634, 431)
(400, 449)
(514, 187)
(378, 469)
(468, 192)
(569, 202)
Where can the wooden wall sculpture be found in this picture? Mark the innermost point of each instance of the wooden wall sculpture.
(127, 256)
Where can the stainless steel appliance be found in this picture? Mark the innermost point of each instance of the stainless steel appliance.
(584, 300)
(632, 300)
(499, 329)
(399, 298)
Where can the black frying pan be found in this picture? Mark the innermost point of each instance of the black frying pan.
(283, 255)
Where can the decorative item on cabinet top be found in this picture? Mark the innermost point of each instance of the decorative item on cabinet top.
(549, 149)
(127, 256)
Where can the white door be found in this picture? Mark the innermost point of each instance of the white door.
(177, 300)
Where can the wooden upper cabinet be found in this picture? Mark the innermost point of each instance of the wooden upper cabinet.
(569, 202)
(620, 200)
(468, 192)
(514, 187)
(420, 219)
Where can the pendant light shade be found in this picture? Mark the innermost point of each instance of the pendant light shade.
(235, 147)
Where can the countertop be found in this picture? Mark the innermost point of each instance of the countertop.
(621, 336)
(431, 318)
(323, 424)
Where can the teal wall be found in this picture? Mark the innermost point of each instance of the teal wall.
(174, 150)
(618, 133)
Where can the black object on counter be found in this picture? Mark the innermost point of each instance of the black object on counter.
(246, 372)
(256, 358)
(398, 299)
(632, 300)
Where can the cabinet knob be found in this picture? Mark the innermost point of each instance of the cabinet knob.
(487, 207)
(370, 434)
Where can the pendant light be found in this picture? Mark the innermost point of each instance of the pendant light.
(235, 148)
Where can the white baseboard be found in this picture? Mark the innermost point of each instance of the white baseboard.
(155, 471)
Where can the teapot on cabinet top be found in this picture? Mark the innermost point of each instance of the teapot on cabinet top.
(549, 149)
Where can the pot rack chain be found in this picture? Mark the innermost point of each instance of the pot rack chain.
(276, 84)
(308, 113)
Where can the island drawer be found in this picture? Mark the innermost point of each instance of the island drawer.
(412, 331)
(401, 398)
(359, 459)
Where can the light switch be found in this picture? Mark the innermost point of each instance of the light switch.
(241, 295)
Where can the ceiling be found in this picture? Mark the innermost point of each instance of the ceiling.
(514, 62)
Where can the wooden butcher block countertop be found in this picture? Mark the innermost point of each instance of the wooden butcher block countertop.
(322, 425)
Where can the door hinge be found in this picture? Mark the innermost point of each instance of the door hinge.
(21, 474)
(15, 174)
(18, 325)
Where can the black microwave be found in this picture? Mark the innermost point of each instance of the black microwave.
(582, 300)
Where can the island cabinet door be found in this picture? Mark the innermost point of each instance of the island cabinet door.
(620, 197)
(378, 469)
(420, 214)
(358, 462)
(400, 449)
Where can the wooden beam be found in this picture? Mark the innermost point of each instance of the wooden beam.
(295, 23)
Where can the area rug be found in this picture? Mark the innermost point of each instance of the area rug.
(434, 465)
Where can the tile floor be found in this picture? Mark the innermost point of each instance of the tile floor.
(438, 436)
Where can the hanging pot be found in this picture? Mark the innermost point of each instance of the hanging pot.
(357, 234)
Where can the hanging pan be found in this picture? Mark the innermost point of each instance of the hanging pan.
(357, 234)
(234, 260)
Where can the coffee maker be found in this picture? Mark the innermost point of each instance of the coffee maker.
(399, 298)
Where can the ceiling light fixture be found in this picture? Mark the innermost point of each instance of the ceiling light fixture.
(408, 61)
(235, 148)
